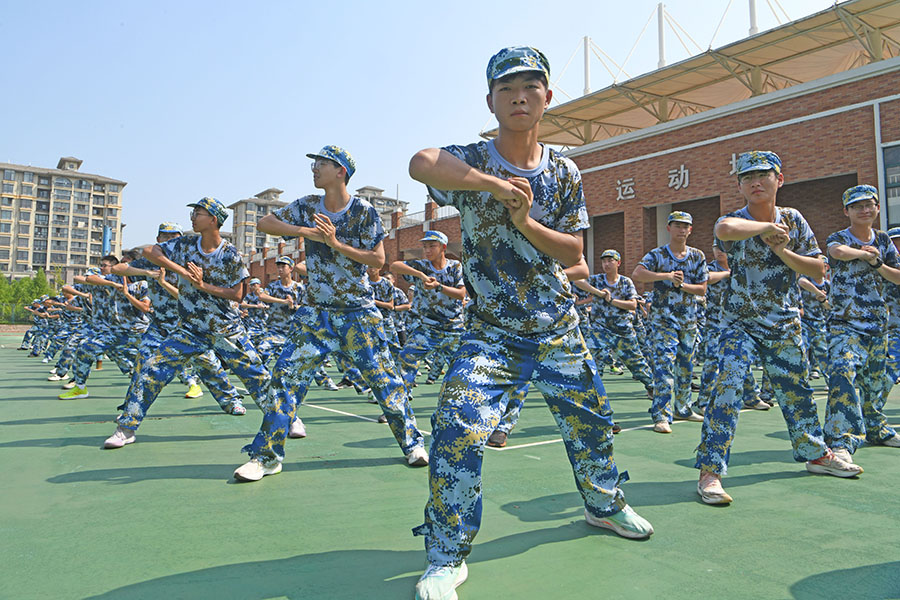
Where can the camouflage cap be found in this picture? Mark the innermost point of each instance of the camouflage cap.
(338, 155)
(893, 232)
(213, 207)
(858, 193)
(758, 160)
(254, 280)
(679, 216)
(435, 236)
(285, 260)
(517, 59)
(169, 227)
(92, 271)
(613, 254)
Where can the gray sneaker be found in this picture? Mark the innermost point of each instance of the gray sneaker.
(625, 523)
(830, 464)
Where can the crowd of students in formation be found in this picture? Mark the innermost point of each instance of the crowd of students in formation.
(502, 317)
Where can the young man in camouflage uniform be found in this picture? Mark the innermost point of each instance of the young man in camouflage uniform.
(522, 213)
(767, 246)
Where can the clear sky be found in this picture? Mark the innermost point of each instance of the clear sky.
(188, 99)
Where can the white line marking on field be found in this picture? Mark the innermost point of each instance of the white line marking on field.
(347, 414)
(534, 457)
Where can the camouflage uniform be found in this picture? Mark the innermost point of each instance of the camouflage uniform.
(521, 325)
(857, 346)
(342, 318)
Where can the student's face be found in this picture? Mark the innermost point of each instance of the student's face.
(760, 186)
(864, 212)
(374, 273)
(721, 257)
(432, 250)
(201, 219)
(105, 267)
(326, 172)
(679, 231)
(283, 270)
(254, 288)
(609, 265)
(165, 237)
(520, 102)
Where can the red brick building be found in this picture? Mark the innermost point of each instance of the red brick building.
(823, 92)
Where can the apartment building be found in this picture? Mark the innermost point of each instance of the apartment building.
(54, 219)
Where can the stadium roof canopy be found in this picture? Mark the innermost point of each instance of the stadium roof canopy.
(840, 38)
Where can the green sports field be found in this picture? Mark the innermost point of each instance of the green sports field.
(162, 518)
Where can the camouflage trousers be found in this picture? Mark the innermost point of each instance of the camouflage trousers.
(784, 361)
(815, 340)
(710, 355)
(118, 343)
(857, 361)
(59, 338)
(357, 334)
(67, 356)
(489, 367)
(513, 408)
(160, 366)
(423, 340)
(604, 344)
(893, 356)
(673, 351)
(208, 368)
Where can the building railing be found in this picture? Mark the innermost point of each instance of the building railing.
(412, 219)
(444, 212)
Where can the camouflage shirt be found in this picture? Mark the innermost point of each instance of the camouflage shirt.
(673, 305)
(512, 284)
(604, 314)
(436, 308)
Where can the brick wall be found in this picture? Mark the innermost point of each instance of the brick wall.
(609, 233)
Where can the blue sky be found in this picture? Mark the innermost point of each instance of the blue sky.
(187, 99)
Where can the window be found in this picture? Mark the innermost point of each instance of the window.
(79, 259)
(59, 245)
(58, 257)
(61, 206)
(62, 194)
(21, 267)
(100, 200)
(4, 254)
(78, 247)
(62, 182)
(111, 212)
(96, 249)
(21, 254)
(5, 227)
(9, 188)
(5, 240)
(96, 236)
(112, 235)
(6, 201)
(9, 174)
(22, 242)
(40, 245)
(6, 214)
(28, 177)
(39, 259)
(79, 234)
(97, 224)
(24, 215)
(113, 187)
(24, 203)
(97, 212)
(43, 181)
(82, 196)
(83, 185)
(81, 209)
(24, 229)
(43, 206)
(41, 219)
(99, 187)
(892, 184)
(43, 193)
(41, 232)
(26, 190)
(60, 232)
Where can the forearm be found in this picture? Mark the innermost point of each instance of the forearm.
(228, 293)
(97, 280)
(624, 304)
(697, 289)
(398, 267)
(274, 226)
(441, 170)
(155, 255)
(717, 276)
(141, 305)
(173, 290)
(272, 299)
(370, 258)
(578, 271)
(733, 229)
(846, 253)
(457, 293)
(584, 285)
(129, 271)
(564, 247)
(810, 266)
(644, 275)
(384, 305)
(889, 273)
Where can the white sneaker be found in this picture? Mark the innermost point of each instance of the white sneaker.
(53, 371)
(56, 377)
(440, 583)
(625, 523)
(830, 464)
(893, 442)
(297, 430)
(843, 454)
(662, 427)
(693, 417)
(45, 360)
(330, 385)
(417, 457)
(254, 470)
(69, 385)
(122, 437)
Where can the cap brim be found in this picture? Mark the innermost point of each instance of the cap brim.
(765, 167)
(518, 69)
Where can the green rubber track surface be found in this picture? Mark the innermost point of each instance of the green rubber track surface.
(163, 518)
